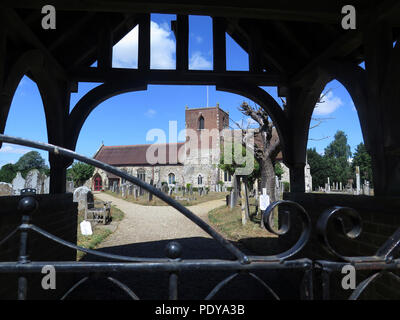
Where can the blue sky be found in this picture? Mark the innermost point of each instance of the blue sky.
(126, 119)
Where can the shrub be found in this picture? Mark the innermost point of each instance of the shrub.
(195, 189)
(286, 186)
(229, 189)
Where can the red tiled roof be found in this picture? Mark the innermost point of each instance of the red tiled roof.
(132, 155)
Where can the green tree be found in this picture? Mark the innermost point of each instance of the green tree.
(337, 154)
(362, 159)
(231, 167)
(7, 173)
(80, 172)
(278, 170)
(318, 167)
(29, 161)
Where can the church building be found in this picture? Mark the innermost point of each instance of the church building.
(192, 162)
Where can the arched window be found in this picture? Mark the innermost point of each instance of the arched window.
(199, 180)
(141, 174)
(201, 123)
(171, 178)
(227, 176)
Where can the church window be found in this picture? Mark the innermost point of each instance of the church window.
(201, 123)
(141, 174)
(227, 176)
(171, 178)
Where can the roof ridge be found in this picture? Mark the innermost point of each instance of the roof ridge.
(141, 145)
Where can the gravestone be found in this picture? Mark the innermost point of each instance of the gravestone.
(130, 189)
(366, 188)
(358, 180)
(6, 189)
(80, 196)
(18, 183)
(149, 194)
(69, 188)
(35, 180)
(328, 186)
(46, 188)
(136, 192)
(123, 190)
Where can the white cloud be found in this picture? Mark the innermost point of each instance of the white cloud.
(9, 148)
(198, 62)
(150, 113)
(199, 39)
(328, 105)
(162, 47)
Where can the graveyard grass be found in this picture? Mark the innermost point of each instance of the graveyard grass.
(229, 223)
(143, 200)
(100, 232)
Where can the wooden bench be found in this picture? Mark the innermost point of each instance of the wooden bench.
(98, 211)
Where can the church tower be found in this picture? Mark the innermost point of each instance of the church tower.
(203, 127)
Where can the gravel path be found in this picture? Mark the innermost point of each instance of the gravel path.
(153, 223)
(145, 232)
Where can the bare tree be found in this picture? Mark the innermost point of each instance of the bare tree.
(268, 149)
(269, 146)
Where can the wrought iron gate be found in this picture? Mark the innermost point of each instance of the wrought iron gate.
(384, 261)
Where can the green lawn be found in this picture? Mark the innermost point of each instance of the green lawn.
(229, 223)
(99, 233)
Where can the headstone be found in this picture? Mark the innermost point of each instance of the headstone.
(366, 188)
(6, 189)
(232, 200)
(33, 180)
(340, 186)
(18, 183)
(130, 189)
(150, 195)
(328, 186)
(80, 196)
(47, 186)
(69, 187)
(357, 180)
(123, 190)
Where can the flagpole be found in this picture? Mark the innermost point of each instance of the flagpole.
(207, 96)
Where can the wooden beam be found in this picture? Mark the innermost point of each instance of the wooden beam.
(182, 42)
(343, 46)
(21, 32)
(219, 44)
(72, 30)
(289, 36)
(105, 45)
(144, 42)
(310, 11)
(190, 77)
